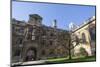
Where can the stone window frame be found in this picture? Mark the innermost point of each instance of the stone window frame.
(84, 38)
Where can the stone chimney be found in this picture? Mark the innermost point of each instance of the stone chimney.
(54, 24)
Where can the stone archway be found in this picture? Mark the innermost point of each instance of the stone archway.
(31, 54)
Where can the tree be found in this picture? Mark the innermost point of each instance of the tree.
(73, 42)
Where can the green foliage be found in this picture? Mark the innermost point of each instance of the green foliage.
(83, 52)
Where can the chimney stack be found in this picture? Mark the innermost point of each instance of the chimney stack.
(55, 23)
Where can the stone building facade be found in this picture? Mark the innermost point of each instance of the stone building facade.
(87, 35)
(34, 41)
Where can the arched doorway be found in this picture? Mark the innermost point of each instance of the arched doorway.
(30, 54)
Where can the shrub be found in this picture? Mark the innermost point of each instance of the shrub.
(83, 52)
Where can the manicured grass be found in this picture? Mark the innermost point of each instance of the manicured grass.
(66, 60)
(58, 59)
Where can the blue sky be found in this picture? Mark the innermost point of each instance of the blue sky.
(64, 14)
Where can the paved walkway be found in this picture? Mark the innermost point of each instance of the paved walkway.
(29, 63)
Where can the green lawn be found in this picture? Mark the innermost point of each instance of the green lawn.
(66, 60)
(58, 59)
